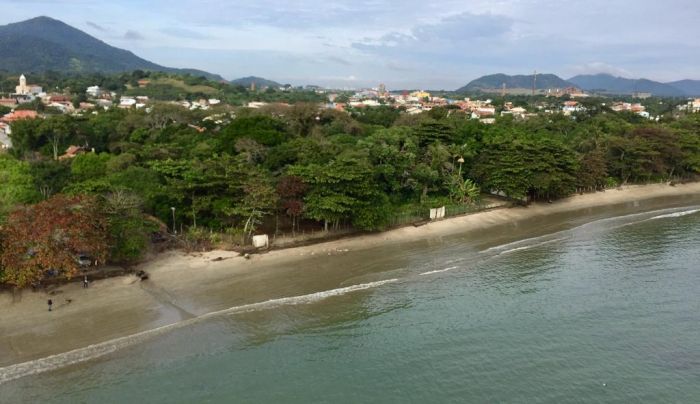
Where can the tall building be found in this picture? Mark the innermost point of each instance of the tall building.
(27, 89)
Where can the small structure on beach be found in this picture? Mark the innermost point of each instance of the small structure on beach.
(437, 213)
(261, 241)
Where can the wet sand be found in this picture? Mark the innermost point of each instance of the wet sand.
(184, 286)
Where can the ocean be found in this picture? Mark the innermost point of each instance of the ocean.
(600, 307)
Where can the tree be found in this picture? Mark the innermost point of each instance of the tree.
(343, 189)
(291, 190)
(45, 239)
(17, 184)
(129, 229)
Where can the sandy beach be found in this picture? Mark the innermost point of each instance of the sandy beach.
(185, 286)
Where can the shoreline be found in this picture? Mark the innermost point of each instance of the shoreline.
(182, 286)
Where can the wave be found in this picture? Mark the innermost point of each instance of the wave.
(644, 216)
(527, 247)
(98, 350)
(676, 214)
(437, 271)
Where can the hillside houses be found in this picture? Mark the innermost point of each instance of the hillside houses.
(6, 126)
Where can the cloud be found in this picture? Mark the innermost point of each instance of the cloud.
(600, 67)
(338, 60)
(453, 34)
(96, 26)
(133, 36)
(184, 33)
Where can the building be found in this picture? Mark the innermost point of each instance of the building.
(27, 89)
(72, 152)
(17, 115)
(641, 95)
(94, 91)
(5, 141)
(694, 105)
(8, 102)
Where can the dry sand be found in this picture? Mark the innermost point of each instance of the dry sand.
(180, 285)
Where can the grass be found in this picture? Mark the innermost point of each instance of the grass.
(185, 87)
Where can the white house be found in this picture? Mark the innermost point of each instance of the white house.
(94, 91)
(5, 141)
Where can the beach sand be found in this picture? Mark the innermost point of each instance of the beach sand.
(183, 286)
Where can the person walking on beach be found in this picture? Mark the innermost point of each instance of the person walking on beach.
(85, 282)
(50, 304)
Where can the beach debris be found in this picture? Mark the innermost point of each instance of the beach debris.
(246, 256)
(142, 275)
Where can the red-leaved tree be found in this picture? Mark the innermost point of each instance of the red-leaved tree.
(47, 238)
(291, 190)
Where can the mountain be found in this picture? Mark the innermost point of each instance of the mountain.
(42, 44)
(259, 82)
(620, 85)
(690, 88)
(544, 81)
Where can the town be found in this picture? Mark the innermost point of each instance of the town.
(31, 101)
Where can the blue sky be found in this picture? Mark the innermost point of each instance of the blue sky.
(402, 43)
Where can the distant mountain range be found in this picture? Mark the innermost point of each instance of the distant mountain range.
(259, 82)
(607, 83)
(600, 83)
(42, 43)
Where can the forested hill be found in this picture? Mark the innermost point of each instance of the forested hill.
(44, 44)
(259, 82)
(544, 81)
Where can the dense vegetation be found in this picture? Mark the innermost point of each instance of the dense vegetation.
(285, 168)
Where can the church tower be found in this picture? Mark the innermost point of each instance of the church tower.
(22, 87)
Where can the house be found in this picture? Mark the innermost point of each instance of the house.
(571, 107)
(17, 115)
(694, 105)
(8, 102)
(143, 83)
(94, 91)
(5, 141)
(256, 104)
(127, 102)
(641, 95)
(72, 152)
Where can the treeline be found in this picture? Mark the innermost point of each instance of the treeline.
(128, 84)
(286, 168)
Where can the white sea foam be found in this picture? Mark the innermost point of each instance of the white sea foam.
(95, 351)
(527, 247)
(676, 214)
(437, 271)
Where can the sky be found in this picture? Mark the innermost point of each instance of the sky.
(401, 43)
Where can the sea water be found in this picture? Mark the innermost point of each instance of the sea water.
(600, 310)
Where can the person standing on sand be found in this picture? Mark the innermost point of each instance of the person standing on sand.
(85, 282)
(50, 304)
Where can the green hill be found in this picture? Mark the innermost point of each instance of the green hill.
(492, 81)
(259, 82)
(42, 44)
